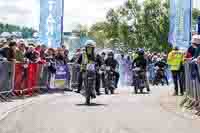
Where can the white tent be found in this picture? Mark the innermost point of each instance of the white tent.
(5, 34)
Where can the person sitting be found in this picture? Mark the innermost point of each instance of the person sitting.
(141, 63)
(110, 61)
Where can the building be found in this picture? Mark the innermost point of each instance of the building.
(196, 4)
(71, 41)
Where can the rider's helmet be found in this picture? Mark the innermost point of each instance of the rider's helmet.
(141, 52)
(90, 43)
(176, 48)
(110, 54)
(90, 47)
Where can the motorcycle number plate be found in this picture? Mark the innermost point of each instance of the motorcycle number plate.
(108, 68)
(91, 67)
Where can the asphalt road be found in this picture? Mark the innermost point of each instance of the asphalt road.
(120, 113)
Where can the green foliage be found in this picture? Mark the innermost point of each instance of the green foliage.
(134, 25)
(26, 32)
(195, 14)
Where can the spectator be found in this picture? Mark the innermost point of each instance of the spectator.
(50, 55)
(11, 54)
(4, 51)
(66, 54)
(192, 49)
(60, 56)
(37, 58)
(30, 53)
(43, 51)
(20, 53)
(196, 42)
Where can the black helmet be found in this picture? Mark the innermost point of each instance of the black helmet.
(141, 51)
(103, 53)
(111, 54)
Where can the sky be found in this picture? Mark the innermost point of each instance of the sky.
(27, 12)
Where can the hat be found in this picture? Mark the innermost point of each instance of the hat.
(196, 39)
(36, 52)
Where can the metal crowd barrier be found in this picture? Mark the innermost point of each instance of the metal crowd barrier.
(25, 79)
(192, 80)
(7, 71)
(74, 75)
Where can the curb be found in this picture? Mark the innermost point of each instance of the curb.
(174, 109)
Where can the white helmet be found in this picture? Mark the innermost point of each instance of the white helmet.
(90, 43)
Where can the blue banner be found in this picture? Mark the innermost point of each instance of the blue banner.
(180, 23)
(61, 77)
(51, 22)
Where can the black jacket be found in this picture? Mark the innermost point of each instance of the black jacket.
(140, 62)
(161, 64)
(112, 63)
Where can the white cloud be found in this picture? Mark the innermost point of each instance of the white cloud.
(26, 12)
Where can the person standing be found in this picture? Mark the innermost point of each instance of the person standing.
(11, 56)
(196, 45)
(175, 60)
(20, 53)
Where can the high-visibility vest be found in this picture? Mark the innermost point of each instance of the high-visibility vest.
(134, 56)
(85, 61)
(175, 58)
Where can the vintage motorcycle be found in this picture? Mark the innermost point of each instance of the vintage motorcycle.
(159, 76)
(89, 80)
(109, 80)
(138, 80)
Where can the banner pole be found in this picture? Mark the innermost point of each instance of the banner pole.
(191, 7)
(62, 19)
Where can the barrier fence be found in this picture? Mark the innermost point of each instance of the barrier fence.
(25, 79)
(192, 80)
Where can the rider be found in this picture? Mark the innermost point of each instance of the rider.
(162, 65)
(141, 62)
(111, 62)
(88, 56)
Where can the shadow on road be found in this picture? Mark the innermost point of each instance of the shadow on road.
(91, 105)
(144, 93)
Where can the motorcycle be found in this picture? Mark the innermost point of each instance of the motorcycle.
(159, 76)
(109, 80)
(89, 80)
(139, 80)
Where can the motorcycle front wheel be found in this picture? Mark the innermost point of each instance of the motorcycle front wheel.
(88, 100)
(112, 90)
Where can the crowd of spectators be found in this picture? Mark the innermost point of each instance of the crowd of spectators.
(20, 51)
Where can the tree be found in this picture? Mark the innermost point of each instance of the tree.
(26, 32)
(99, 32)
(195, 14)
(135, 25)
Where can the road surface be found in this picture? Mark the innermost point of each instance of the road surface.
(120, 113)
